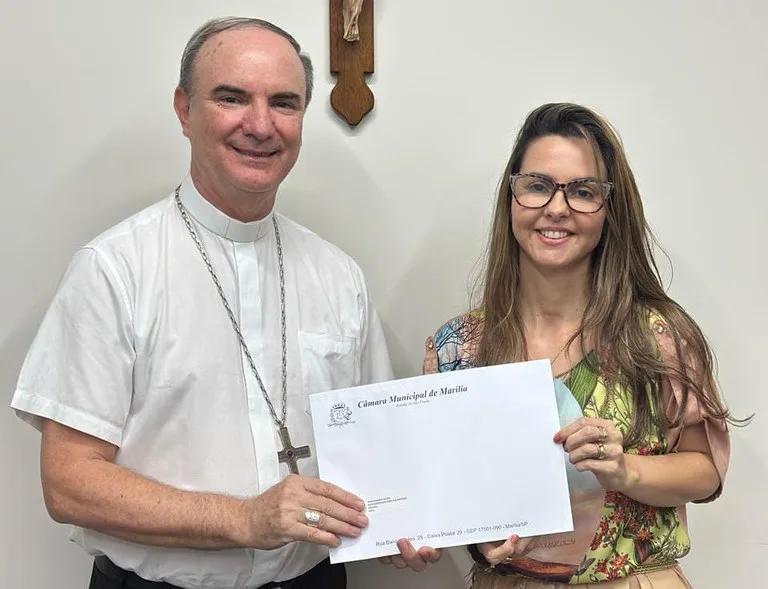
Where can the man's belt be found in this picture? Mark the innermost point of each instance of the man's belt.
(131, 580)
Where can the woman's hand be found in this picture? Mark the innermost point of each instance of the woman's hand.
(506, 551)
(595, 445)
(410, 558)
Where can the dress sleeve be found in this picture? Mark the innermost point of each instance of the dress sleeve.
(694, 413)
(454, 345)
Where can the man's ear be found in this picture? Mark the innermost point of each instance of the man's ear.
(181, 104)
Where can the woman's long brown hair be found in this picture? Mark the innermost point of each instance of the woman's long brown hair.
(625, 284)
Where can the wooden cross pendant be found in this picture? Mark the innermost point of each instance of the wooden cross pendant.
(289, 454)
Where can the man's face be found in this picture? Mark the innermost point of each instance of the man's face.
(245, 114)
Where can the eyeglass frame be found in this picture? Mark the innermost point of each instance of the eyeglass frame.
(559, 186)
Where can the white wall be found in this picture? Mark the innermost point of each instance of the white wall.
(89, 136)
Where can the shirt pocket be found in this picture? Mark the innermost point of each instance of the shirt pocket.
(328, 362)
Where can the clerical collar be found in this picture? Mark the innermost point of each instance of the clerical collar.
(214, 220)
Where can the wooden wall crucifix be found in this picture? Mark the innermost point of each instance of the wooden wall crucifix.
(351, 24)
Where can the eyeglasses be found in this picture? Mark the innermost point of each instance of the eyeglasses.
(582, 196)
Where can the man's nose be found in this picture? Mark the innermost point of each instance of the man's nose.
(258, 122)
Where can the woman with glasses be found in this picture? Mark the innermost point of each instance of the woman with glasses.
(570, 276)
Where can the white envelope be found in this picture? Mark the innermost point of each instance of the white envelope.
(446, 459)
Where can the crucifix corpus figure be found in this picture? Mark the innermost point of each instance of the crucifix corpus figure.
(351, 13)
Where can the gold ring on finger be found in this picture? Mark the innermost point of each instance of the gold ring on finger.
(600, 451)
(603, 433)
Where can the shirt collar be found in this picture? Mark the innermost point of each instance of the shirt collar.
(214, 220)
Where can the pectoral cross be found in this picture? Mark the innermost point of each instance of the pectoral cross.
(289, 454)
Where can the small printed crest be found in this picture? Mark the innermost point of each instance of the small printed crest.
(340, 414)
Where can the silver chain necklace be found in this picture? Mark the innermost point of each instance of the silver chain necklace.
(289, 453)
(281, 421)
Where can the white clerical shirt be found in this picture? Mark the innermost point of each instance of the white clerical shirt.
(136, 349)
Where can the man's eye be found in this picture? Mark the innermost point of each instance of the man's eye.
(286, 104)
(230, 100)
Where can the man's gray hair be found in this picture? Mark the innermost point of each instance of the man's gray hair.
(227, 23)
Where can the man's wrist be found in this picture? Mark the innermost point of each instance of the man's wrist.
(237, 528)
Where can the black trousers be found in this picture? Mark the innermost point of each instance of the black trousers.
(107, 575)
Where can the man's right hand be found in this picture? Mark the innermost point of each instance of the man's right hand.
(277, 516)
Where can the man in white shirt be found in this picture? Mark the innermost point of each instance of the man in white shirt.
(170, 376)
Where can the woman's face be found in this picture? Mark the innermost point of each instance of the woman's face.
(555, 237)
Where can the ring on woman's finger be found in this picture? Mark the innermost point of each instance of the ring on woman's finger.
(602, 433)
(312, 517)
(600, 451)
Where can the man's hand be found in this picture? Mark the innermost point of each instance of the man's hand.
(410, 558)
(84, 487)
(277, 516)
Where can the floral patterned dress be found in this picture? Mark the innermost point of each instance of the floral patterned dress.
(614, 536)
